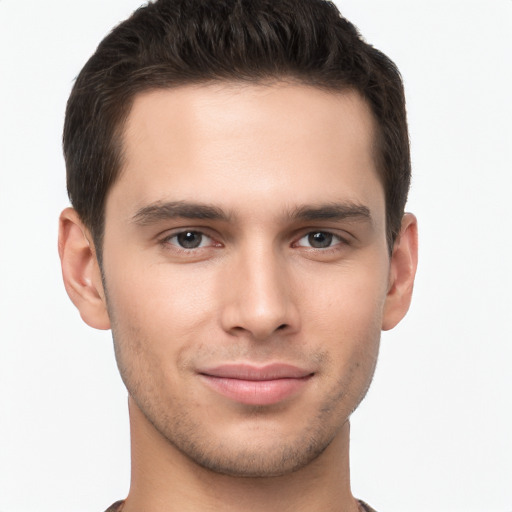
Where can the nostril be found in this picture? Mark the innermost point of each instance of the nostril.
(281, 327)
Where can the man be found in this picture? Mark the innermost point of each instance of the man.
(238, 172)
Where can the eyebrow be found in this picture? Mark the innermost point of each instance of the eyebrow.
(177, 209)
(160, 211)
(333, 212)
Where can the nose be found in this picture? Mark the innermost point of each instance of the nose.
(259, 295)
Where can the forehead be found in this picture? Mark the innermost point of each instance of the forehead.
(234, 143)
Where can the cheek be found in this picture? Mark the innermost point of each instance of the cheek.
(163, 303)
(344, 316)
(156, 317)
(348, 299)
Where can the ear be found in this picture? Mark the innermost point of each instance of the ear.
(80, 270)
(404, 261)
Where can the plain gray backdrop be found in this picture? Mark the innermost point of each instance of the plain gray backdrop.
(434, 433)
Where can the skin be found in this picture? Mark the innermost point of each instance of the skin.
(280, 168)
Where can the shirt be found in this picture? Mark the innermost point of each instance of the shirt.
(118, 507)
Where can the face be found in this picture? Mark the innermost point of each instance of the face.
(246, 270)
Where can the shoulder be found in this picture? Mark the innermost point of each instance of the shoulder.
(116, 507)
(363, 507)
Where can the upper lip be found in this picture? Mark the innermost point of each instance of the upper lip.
(246, 371)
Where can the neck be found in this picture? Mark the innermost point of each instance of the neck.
(166, 480)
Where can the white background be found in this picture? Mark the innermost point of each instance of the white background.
(435, 432)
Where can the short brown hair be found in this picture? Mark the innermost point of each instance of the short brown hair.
(169, 43)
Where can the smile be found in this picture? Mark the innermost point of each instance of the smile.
(253, 385)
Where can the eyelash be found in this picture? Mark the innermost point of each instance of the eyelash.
(332, 237)
(167, 240)
(340, 241)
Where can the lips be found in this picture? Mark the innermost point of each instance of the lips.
(255, 385)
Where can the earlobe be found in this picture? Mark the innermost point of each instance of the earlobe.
(80, 270)
(404, 261)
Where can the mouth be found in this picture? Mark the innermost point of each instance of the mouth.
(256, 385)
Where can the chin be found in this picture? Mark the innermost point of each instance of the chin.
(258, 463)
(262, 453)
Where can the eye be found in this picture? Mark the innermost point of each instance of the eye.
(319, 240)
(189, 240)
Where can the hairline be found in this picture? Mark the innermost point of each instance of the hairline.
(119, 131)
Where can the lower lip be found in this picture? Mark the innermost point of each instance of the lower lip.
(256, 392)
